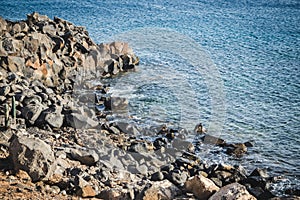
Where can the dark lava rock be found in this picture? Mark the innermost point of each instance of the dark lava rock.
(260, 194)
(259, 172)
(85, 156)
(178, 177)
(209, 139)
(127, 128)
(80, 121)
(238, 149)
(248, 144)
(160, 142)
(293, 191)
(32, 112)
(138, 148)
(116, 104)
(31, 155)
(157, 176)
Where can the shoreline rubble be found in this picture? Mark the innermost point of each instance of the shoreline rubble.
(56, 140)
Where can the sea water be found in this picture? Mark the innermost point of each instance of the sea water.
(254, 50)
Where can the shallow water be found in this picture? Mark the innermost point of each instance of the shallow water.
(255, 48)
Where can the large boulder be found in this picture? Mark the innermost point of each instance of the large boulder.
(233, 191)
(160, 190)
(54, 117)
(84, 156)
(201, 187)
(77, 120)
(32, 111)
(31, 155)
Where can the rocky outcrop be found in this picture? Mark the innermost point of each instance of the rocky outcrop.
(62, 135)
(53, 51)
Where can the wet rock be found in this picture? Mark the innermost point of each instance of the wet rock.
(127, 61)
(248, 144)
(201, 187)
(238, 149)
(255, 181)
(31, 155)
(116, 104)
(293, 191)
(260, 172)
(182, 144)
(127, 128)
(199, 129)
(259, 193)
(209, 139)
(286, 198)
(233, 191)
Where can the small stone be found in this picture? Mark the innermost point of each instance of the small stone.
(142, 169)
(86, 157)
(87, 191)
(4, 90)
(178, 177)
(157, 176)
(248, 144)
(23, 175)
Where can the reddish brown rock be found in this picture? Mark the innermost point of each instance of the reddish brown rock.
(201, 187)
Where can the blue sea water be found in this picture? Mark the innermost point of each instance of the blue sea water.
(255, 46)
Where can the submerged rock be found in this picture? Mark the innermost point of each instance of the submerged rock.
(238, 149)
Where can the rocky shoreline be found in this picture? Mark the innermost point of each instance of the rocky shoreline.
(57, 140)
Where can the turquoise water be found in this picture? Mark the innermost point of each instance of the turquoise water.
(255, 47)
